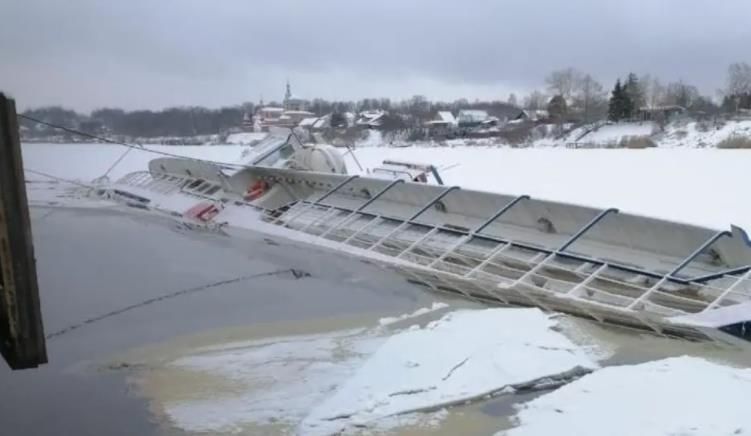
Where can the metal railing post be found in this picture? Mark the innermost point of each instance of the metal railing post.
(313, 204)
(415, 215)
(500, 212)
(698, 251)
(586, 228)
(731, 288)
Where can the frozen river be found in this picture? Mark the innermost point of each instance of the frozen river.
(125, 295)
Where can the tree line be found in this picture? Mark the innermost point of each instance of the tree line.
(569, 96)
(576, 96)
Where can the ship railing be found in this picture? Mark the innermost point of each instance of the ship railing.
(532, 272)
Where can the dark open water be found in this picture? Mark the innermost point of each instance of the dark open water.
(94, 262)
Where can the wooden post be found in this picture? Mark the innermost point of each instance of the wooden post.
(22, 341)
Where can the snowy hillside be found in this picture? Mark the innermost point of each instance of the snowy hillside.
(688, 134)
(701, 135)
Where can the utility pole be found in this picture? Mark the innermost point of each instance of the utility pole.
(22, 341)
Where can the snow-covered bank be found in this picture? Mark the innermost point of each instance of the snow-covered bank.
(678, 396)
(373, 378)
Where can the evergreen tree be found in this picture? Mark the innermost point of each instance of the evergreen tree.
(635, 96)
(615, 105)
(627, 104)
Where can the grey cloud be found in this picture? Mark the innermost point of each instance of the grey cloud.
(148, 53)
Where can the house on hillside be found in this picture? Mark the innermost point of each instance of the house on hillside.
(471, 117)
(533, 115)
(269, 116)
(475, 118)
(444, 124)
(443, 119)
(660, 113)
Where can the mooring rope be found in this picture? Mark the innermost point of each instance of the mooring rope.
(125, 144)
(297, 274)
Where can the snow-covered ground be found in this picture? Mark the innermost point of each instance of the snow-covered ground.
(702, 135)
(377, 377)
(683, 134)
(684, 396)
(614, 133)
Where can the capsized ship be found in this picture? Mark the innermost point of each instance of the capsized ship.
(613, 267)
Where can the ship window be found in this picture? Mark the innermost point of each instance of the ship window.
(195, 183)
(203, 187)
(212, 190)
(440, 207)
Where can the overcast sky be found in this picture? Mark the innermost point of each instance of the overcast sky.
(151, 54)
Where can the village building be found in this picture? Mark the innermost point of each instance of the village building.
(660, 113)
(292, 112)
(443, 119)
(533, 115)
(474, 118)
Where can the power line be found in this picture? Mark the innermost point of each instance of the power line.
(125, 144)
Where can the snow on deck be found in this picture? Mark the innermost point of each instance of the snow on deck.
(322, 384)
(684, 396)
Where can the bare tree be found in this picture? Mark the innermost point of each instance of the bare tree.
(738, 88)
(535, 100)
(512, 100)
(590, 98)
(738, 79)
(563, 82)
(654, 90)
(681, 94)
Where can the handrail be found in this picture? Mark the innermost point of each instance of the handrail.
(586, 228)
(564, 254)
(498, 214)
(378, 195)
(699, 250)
